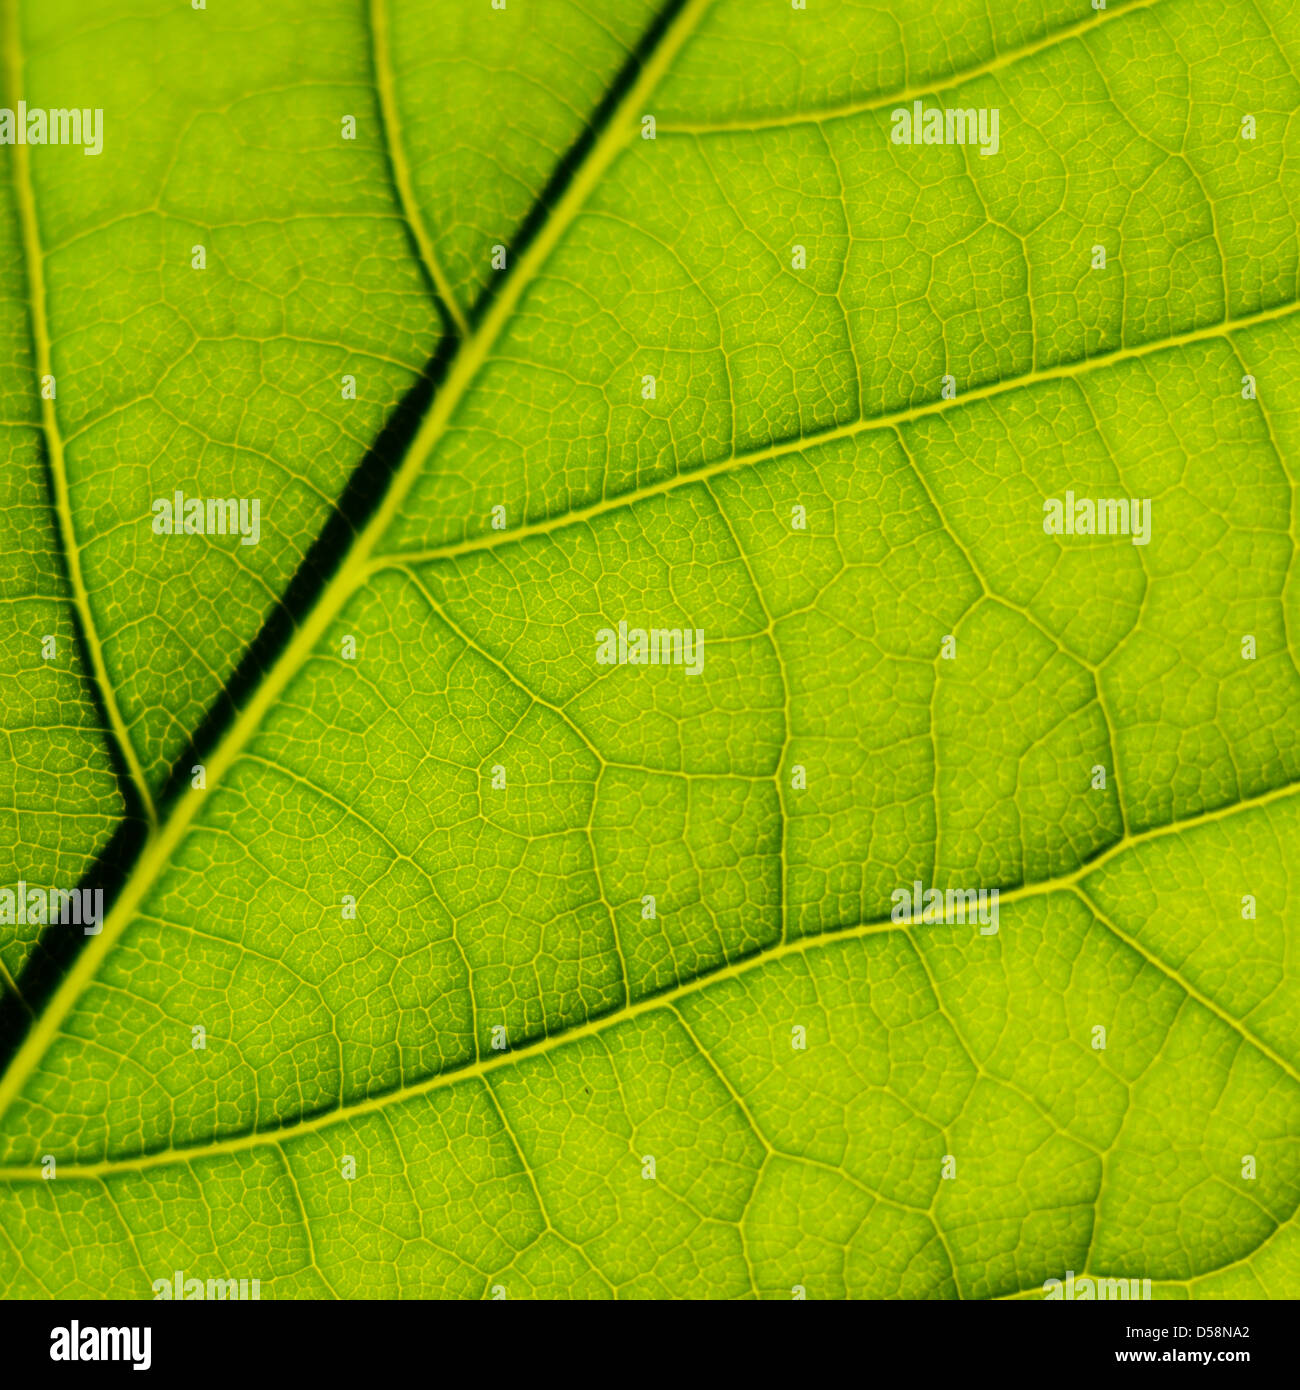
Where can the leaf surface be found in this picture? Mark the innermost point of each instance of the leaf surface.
(517, 914)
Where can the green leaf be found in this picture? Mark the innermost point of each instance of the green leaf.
(473, 965)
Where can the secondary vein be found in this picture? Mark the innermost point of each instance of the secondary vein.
(886, 420)
(1065, 883)
(34, 266)
(913, 91)
(381, 57)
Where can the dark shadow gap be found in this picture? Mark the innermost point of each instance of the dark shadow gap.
(58, 949)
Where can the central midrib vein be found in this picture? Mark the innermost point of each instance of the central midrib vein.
(352, 573)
